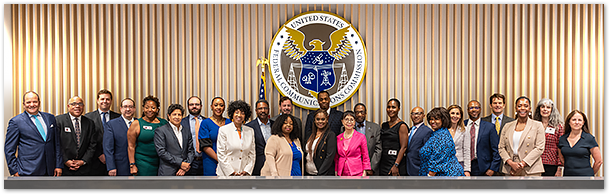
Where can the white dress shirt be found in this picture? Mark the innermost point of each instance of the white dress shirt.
(44, 126)
(178, 132)
(265, 128)
(477, 129)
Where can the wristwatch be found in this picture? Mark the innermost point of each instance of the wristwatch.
(396, 164)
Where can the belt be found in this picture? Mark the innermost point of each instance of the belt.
(198, 158)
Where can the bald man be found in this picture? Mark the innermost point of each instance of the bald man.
(77, 143)
(417, 137)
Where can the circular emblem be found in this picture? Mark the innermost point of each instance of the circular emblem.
(316, 51)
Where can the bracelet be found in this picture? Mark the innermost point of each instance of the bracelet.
(131, 164)
(396, 164)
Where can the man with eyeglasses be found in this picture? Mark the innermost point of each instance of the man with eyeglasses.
(115, 140)
(417, 137)
(262, 131)
(77, 140)
(372, 131)
(484, 152)
(193, 122)
(100, 117)
(34, 134)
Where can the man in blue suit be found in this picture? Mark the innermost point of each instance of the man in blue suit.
(417, 137)
(262, 131)
(115, 140)
(193, 122)
(34, 134)
(485, 155)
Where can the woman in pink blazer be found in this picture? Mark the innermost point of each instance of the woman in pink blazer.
(351, 157)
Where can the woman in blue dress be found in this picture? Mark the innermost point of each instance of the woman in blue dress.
(208, 136)
(438, 154)
(576, 146)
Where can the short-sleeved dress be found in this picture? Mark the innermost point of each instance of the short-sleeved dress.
(390, 136)
(208, 132)
(577, 158)
(146, 158)
(438, 155)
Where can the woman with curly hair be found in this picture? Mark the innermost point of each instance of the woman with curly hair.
(283, 152)
(548, 115)
(236, 147)
(143, 158)
(438, 154)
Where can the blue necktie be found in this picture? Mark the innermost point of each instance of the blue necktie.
(40, 129)
(104, 117)
(411, 133)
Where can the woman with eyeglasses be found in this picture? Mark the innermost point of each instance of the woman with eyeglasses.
(351, 150)
(143, 158)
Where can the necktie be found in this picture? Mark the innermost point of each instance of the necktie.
(77, 130)
(104, 117)
(497, 125)
(472, 132)
(130, 123)
(197, 125)
(40, 129)
(360, 125)
(411, 133)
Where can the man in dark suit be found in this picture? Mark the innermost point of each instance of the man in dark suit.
(100, 117)
(35, 134)
(193, 122)
(485, 155)
(417, 137)
(173, 143)
(372, 131)
(286, 107)
(262, 131)
(497, 117)
(115, 140)
(77, 141)
(334, 116)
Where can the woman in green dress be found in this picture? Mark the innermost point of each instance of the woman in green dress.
(143, 159)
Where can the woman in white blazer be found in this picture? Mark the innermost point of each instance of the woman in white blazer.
(522, 142)
(462, 138)
(236, 147)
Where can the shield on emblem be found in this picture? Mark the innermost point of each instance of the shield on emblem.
(317, 71)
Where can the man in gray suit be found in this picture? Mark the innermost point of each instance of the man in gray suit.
(373, 136)
(497, 117)
(173, 144)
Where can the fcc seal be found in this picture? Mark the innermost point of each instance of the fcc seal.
(317, 51)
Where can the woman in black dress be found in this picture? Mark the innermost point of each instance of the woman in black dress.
(394, 135)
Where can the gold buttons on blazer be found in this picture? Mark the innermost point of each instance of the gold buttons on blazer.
(526, 151)
(241, 150)
(239, 158)
(529, 137)
(527, 144)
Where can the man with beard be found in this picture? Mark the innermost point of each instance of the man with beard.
(262, 132)
(485, 156)
(193, 122)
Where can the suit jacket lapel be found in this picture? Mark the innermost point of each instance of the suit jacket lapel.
(72, 129)
(32, 124)
(525, 132)
(509, 140)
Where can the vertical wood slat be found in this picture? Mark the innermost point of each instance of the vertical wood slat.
(432, 55)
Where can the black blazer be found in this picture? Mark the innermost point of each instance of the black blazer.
(100, 168)
(260, 144)
(324, 154)
(69, 145)
(334, 122)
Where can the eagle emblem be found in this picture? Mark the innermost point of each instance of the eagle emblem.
(317, 64)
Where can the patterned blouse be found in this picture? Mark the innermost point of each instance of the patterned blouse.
(550, 153)
(438, 155)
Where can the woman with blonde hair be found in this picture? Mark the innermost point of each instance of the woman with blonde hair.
(461, 137)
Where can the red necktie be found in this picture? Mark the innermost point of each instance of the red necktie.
(472, 132)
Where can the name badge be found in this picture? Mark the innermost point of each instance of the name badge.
(67, 130)
(393, 152)
(148, 127)
(550, 130)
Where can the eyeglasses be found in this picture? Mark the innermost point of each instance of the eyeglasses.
(360, 112)
(127, 106)
(76, 104)
(474, 107)
(262, 108)
(416, 113)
